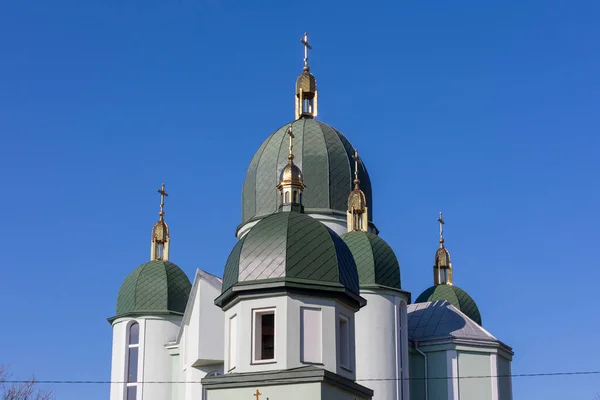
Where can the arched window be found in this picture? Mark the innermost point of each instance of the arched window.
(287, 197)
(133, 346)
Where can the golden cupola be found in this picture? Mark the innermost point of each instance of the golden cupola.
(442, 267)
(159, 247)
(306, 88)
(358, 219)
(291, 184)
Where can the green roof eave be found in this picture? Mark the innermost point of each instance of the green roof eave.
(375, 286)
(295, 285)
(139, 313)
(321, 211)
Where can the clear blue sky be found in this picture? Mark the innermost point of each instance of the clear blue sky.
(488, 112)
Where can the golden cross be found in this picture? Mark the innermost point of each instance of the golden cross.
(162, 199)
(257, 394)
(307, 47)
(356, 159)
(441, 221)
(289, 132)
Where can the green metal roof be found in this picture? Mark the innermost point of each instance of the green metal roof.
(375, 260)
(290, 246)
(325, 157)
(157, 287)
(454, 295)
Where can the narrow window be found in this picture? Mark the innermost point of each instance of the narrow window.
(344, 328)
(311, 341)
(287, 197)
(295, 196)
(232, 342)
(300, 198)
(264, 335)
(133, 345)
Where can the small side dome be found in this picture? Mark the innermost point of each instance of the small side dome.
(290, 249)
(375, 260)
(157, 287)
(291, 175)
(454, 295)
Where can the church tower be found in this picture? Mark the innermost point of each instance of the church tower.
(321, 152)
(290, 294)
(443, 287)
(150, 305)
(381, 326)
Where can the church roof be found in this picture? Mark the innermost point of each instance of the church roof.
(157, 287)
(456, 296)
(440, 319)
(325, 157)
(291, 249)
(375, 260)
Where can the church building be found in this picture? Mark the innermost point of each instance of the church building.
(310, 303)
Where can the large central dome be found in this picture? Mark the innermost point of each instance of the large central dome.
(325, 157)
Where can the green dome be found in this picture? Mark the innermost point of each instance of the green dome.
(375, 260)
(292, 249)
(325, 157)
(157, 287)
(454, 295)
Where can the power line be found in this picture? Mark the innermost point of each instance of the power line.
(74, 382)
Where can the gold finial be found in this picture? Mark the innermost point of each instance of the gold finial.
(442, 268)
(307, 47)
(441, 221)
(257, 394)
(162, 201)
(356, 159)
(291, 134)
(306, 88)
(357, 217)
(159, 248)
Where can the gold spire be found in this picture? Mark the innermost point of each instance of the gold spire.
(357, 217)
(356, 158)
(306, 87)
(291, 183)
(307, 47)
(442, 268)
(441, 221)
(291, 135)
(159, 247)
(162, 201)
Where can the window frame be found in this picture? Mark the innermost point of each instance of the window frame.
(232, 351)
(344, 351)
(128, 347)
(257, 315)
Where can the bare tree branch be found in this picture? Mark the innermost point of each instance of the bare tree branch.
(21, 391)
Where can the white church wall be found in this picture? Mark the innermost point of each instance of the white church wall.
(504, 380)
(302, 391)
(202, 338)
(154, 362)
(382, 345)
(307, 332)
(474, 364)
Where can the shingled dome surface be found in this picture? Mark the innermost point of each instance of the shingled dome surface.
(325, 157)
(292, 247)
(157, 287)
(375, 260)
(455, 296)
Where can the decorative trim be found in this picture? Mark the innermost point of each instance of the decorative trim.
(284, 377)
